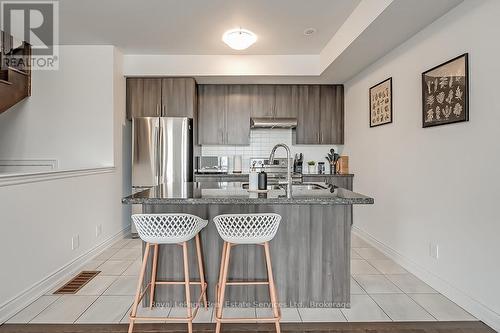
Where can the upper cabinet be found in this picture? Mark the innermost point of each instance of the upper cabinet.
(212, 114)
(178, 97)
(263, 100)
(165, 97)
(320, 114)
(273, 101)
(331, 115)
(143, 97)
(308, 115)
(238, 109)
(224, 114)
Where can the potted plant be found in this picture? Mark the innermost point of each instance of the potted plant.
(311, 166)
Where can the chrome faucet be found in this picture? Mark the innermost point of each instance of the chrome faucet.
(288, 170)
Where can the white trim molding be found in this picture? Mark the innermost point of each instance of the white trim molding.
(458, 296)
(29, 295)
(16, 179)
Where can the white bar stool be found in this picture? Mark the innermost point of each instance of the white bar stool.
(236, 229)
(156, 229)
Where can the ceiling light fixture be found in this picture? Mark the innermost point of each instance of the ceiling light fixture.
(239, 39)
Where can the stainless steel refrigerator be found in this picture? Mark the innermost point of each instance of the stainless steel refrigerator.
(162, 152)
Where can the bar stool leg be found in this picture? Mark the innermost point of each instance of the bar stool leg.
(138, 290)
(221, 271)
(200, 269)
(222, 287)
(186, 283)
(272, 287)
(153, 276)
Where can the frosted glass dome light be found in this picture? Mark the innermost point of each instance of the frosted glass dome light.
(239, 39)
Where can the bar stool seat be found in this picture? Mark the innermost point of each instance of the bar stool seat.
(158, 229)
(246, 229)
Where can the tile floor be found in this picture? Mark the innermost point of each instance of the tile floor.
(381, 290)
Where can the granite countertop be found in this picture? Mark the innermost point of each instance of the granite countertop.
(234, 193)
(245, 174)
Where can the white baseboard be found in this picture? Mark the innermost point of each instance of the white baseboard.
(476, 308)
(29, 295)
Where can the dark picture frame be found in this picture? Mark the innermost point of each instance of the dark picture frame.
(445, 93)
(380, 96)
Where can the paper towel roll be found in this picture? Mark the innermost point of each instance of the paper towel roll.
(237, 164)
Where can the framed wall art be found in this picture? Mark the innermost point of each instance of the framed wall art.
(445, 93)
(381, 103)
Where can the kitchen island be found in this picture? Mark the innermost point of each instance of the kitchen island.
(310, 253)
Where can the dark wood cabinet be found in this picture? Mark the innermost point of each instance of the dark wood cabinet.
(320, 114)
(273, 101)
(308, 115)
(211, 114)
(224, 114)
(263, 100)
(331, 115)
(286, 101)
(178, 97)
(143, 97)
(167, 97)
(238, 109)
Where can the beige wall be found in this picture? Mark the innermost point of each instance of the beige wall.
(435, 185)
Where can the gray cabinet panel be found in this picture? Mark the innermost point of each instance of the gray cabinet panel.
(308, 103)
(143, 97)
(178, 97)
(263, 100)
(238, 109)
(332, 115)
(286, 101)
(211, 114)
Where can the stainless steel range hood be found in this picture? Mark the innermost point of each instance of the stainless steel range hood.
(273, 122)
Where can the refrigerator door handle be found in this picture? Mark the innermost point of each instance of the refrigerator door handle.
(160, 154)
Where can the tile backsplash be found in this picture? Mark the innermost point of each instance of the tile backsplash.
(261, 143)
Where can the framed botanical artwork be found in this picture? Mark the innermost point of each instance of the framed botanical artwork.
(381, 103)
(445, 93)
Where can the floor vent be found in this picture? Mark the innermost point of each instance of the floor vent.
(77, 282)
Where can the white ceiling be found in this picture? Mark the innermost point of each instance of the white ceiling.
(196, 26)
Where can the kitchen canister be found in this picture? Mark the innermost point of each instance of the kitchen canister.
(253, 179)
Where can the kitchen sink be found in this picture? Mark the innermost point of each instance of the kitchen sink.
(299, 187)
(308, 186)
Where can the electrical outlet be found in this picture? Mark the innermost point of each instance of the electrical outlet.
(434, 250)
(98, 230)
(75, 242)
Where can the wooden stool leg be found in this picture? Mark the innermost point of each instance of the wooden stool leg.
(272, 287)
(222, 287)
(139, 287)
(221, 271)
(186, 283)
(200, 269)
(153, 276)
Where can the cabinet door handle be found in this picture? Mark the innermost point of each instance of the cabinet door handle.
(321, 137)
(163, 113)
(318, 138)
(158, 110)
